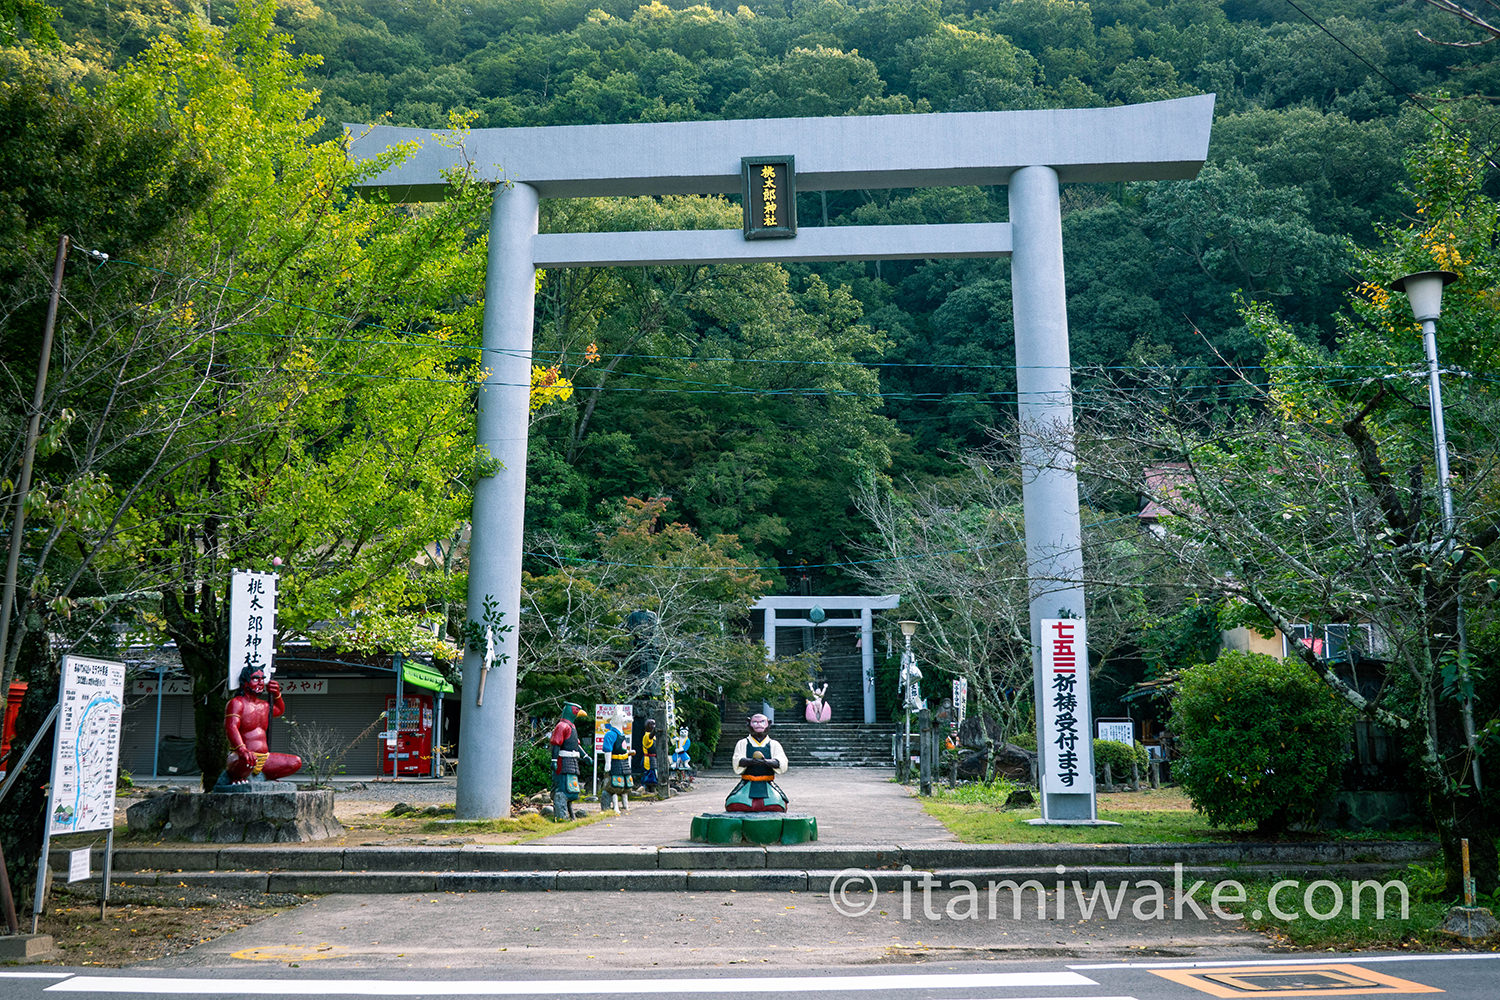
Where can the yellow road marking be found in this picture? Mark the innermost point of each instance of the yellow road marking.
(289, 953)
(1337, 980)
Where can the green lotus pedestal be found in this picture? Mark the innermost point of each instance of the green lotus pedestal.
(754, 828)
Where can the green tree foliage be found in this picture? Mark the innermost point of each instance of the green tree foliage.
(284, 373)
(1305, 153)
(336, 432)
(1263, 742)
(579, 641)
(1314, 500)
(29, 16)
(72, 164)
(730, 390)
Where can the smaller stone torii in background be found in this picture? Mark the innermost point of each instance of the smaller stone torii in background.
(1029, 152)
(866, 606)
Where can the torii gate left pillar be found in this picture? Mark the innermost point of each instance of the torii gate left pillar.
(1031, 151)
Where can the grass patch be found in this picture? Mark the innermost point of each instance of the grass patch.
(975, 814)
(1416, 929)
(530, 826)
(977, 793)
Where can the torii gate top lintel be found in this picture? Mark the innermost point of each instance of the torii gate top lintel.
(1165, 140)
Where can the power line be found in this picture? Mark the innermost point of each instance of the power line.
(1378, 72)
(560, 559)
(899, 395)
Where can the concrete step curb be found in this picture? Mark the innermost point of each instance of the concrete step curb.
(480, 858)
(770, 879)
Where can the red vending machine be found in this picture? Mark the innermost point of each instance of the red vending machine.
(410, 752)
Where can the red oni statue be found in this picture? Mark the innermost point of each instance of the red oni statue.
(246, 719)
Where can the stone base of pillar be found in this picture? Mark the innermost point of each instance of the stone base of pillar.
(279, 816)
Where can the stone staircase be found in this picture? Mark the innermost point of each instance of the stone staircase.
(828, 744)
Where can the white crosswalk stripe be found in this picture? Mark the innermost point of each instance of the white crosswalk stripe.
(766, 985)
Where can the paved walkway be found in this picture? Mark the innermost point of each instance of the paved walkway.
(853, 806)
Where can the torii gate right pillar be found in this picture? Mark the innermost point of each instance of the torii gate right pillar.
(1049, 478)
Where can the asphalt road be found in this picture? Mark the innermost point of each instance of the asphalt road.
(1463, 977)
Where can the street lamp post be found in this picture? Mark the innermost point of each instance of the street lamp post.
(1424, 290)
(911, 691)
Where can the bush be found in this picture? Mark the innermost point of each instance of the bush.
(1263, 741)
(701, 717)
(1119, 756)
(323, 749)
(531, 772)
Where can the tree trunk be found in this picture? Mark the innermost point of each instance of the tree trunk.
(1465, 816)
(211, 747)
(202, 637)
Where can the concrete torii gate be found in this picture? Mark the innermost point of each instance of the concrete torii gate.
(1030, 152)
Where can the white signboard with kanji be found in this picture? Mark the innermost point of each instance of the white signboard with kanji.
(669, 690)
(86, 752)
(171, 685)
(304, 685)
(252, 623)
(1067, 753)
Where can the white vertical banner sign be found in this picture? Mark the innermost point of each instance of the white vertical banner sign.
(960, 700)
(85, 762)
(1067, 754)
(669, 693)
(252, 623)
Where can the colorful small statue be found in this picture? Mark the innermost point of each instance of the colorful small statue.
(246, 720)
(647, 756)
(818, 709)
(616, 747)
(682, 761)
(758, 759)
(566, 753)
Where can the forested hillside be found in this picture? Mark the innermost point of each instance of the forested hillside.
(757, 398)
(1306, 154)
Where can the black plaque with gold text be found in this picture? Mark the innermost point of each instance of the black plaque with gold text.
(770, 197)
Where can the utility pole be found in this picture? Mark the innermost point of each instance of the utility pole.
(28, 457)
(17, 524)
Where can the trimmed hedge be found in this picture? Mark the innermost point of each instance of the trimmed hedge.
(1118, 756)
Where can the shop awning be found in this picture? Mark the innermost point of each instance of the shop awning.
(425, 677)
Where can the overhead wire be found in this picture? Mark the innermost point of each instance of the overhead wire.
(1410, 96)
(779, 568)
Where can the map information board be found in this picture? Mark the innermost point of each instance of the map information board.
(86, 752)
